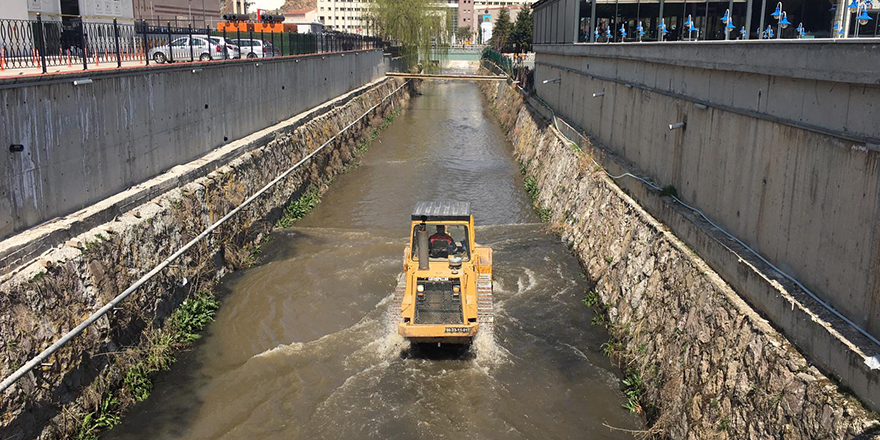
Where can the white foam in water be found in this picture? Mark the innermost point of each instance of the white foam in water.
(280, 350)
(487, 349)
(295, 347)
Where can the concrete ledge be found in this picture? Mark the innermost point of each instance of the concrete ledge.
(17, 250)
(115, 72)
(843, 60)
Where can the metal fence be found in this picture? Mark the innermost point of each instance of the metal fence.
(513, 67)
(72, 43)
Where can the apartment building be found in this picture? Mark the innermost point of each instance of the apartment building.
(348, 15)
(344, 16)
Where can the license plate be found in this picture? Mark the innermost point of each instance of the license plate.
(456, 329)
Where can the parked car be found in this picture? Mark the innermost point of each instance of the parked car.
(254, 48)
(203, 49)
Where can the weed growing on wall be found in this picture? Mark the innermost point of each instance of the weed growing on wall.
(634, 388)
(104, 418)
(531, 186)
(181, 330)
(299, 207)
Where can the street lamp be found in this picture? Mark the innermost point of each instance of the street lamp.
(690, 27)
(863, 18)
(800, 30)
(743, 32)
(608, 34)
(641, 31)
(781, 19)
(663, 30)
(622, 32)
(728, 21)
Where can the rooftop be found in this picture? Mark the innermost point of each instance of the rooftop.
(442, 211)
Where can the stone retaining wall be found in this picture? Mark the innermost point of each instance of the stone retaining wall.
(52, 295)
(711, 366)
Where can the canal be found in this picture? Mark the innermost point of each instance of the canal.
(302, 347)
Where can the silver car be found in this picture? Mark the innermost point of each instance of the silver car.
(254, 48)
(195, 48)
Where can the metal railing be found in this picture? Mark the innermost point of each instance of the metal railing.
(515, 69)
(73, 43)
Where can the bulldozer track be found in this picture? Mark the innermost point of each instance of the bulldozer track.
(485, 303)
(394, 314)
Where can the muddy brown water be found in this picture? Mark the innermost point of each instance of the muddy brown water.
(302, 347)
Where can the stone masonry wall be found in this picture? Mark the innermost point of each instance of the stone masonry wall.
(710, 365)
(52, 295)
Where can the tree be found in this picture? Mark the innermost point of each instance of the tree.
(463, 34)
(417, 26)
(501, 31)
(522, 30)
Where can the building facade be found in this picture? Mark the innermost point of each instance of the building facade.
(105, 11)
(344, 16)
(54, 10)
(574, 21)
(349, 15)
(474, 13)
(198, 12)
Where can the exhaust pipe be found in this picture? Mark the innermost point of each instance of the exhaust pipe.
(422, 237)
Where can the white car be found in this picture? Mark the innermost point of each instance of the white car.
(203, 49)
(254, 48)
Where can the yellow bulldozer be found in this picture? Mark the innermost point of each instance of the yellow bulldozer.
(445, 292)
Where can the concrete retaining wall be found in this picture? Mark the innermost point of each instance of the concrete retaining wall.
(83, 143)
(50, 296)
(780, 148)
(711, 367)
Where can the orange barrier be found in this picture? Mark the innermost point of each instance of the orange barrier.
(2, 58)
(69, 63)
(96, 59)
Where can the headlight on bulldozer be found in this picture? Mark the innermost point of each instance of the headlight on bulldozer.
(420, 288)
